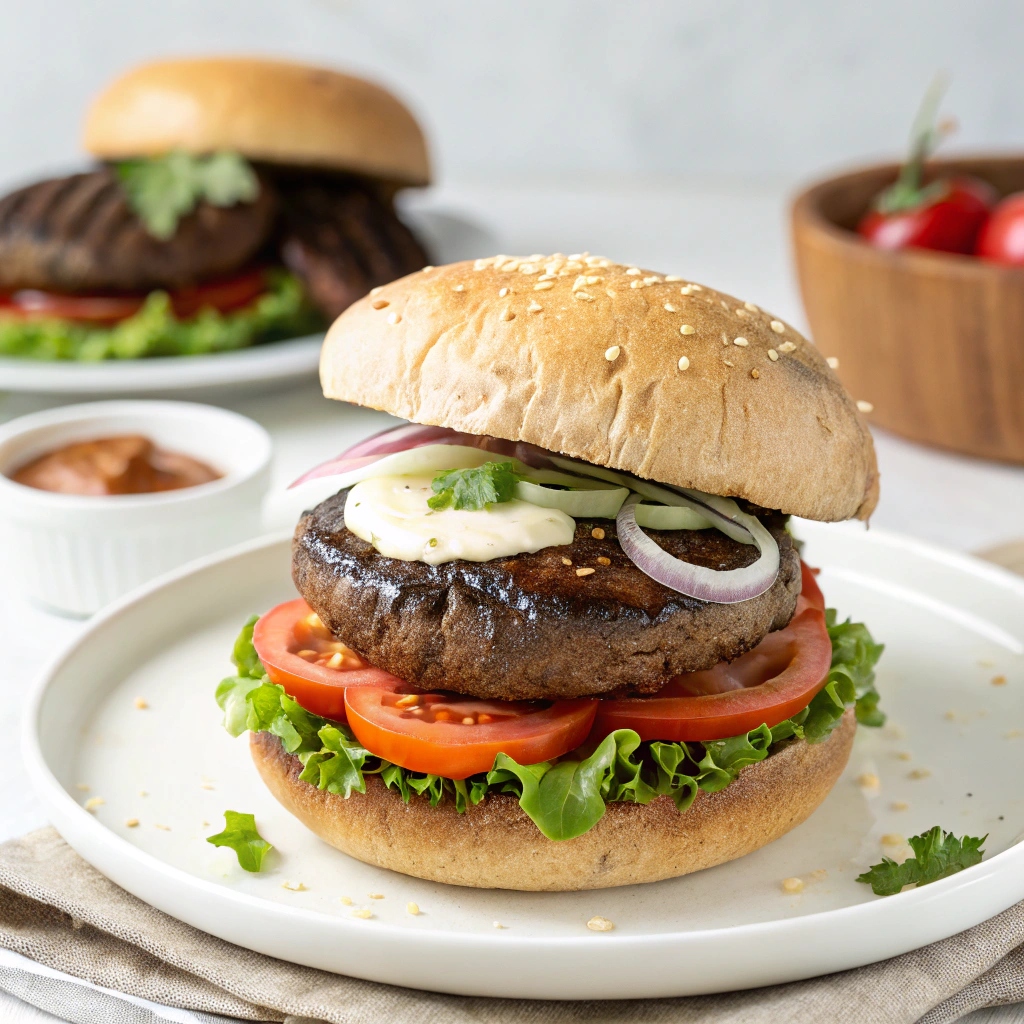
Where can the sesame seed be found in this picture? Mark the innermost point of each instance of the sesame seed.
(684, 363)
(868, 780)
(696, 288)
(863, 406)
(412, 908)
(346, 900)
(741, 312)
(528, 268)
(585, 296)
(610, 292)
(566, 561)
(893, 839)
(579, 282)
(294, 887)
(687, 329)
(633, 271)
(773, 355)
(94, 802)
(636, 284)
(686, 290)
(919, 773)
(611, 354)
(728, 363)
(585, 572)
(751, 307)
(999, 680)
(363, 913)
(142, 792)
(787, 346)
(899, 805)
(903, 755)
(394, 318)
(377, 290)
(593, 279)
(508, 315)
(792, 886)
(723, 303)
(141, 703)
(82, 786)
(459, 288)
(778, 327)
(755, 374)
(502, 293)
(652, 280)
(546, 277)
(131, 822)
(163, 828)
(673, 278)
(576, 256)
(543, 286)
(498, 924)
(832, 362)
(603, 560)
(742, 342)
(380, 303)
(423, 270)
(375, 895)
(600, 924)
(597, 533)
(670, 308)
(206, 785)
(534, 307)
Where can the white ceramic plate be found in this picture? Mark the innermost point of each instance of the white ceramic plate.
(951, 755)
(448, 237)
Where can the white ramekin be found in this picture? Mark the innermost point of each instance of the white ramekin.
(74, 554)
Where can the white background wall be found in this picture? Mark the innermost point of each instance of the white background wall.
(728, 90)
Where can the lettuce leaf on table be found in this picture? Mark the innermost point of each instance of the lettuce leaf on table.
(564, 798)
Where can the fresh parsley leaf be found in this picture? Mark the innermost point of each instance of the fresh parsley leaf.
(474, 489)
(161, 190)
(937, 854)
(241, 835)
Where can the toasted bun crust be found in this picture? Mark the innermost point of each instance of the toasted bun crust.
(582, 356)
(264, 109)
(496, 846)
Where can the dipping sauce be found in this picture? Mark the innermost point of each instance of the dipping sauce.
(127, 464)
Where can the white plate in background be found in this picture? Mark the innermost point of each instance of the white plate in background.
(952, 754)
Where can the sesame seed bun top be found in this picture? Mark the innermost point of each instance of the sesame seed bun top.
(267, 110)
(622, 367)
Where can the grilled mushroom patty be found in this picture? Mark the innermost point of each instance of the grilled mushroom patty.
(528, 627)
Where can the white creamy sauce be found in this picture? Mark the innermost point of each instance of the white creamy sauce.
(391, 513)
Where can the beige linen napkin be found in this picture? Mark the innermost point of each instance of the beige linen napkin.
(59, 911)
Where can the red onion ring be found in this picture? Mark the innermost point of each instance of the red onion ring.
(728, 586)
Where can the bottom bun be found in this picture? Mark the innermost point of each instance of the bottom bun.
(495, 845)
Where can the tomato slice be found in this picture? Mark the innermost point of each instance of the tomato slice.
(455, 736)
(222, 295)
(300, 653)
(809, 588)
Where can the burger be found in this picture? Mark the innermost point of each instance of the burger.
(554, 633)
(235, 201)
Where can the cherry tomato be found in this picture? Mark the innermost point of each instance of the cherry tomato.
(1002, 237)
(947, 219)
(301, 654)
(455, 736)
(222, 295)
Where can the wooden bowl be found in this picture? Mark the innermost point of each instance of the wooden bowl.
(935, 342)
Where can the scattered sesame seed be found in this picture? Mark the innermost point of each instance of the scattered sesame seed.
(394, 318)
(686, 290)
(670, 308)
(508, 315)
(696, 288)
(787, 346)
(648, 281)
(684, 363)
(673, 278)
(792, 885)
(377, 290)
(534, 307)
(459, 288)
(94, 802)
(597, 533)
(999, 680)
(498, 924)
(163, 828)
(346, 900)
(610, 292)
(778, 327)
(755, 374)
(206, 785)
(903, 755)
(868, 780)
(566, 561)
(1013, 734)
(751, 307)
(82, 786)
(728, 363)
(950, 716)
(141, 703)
(143, 792)
(741, 312)
(773, 355)
(899, 805)
(742, 342)
(611, 354)
(723, 304)
(863, 406)
(294, 887)
(543, 286)
(636, 284)
(819, 875)
(375, 895)
(585, 296)
(833, 362)
(893, 839)
(131, 822)
(380, 303)
(633, 271)
(602, 560)
(363, 913)
(546, 277)
(423, 270)
(600, 924)
(687, 329)
(585, 572)
(503, 292)
(412, 908)
(919, 773)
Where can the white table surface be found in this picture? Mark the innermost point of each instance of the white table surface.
(736, 240)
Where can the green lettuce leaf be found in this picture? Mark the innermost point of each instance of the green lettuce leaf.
(567, 797)
(474, 489)
(937, 854)
(281, 312)
(161, 190)
(241, 835)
